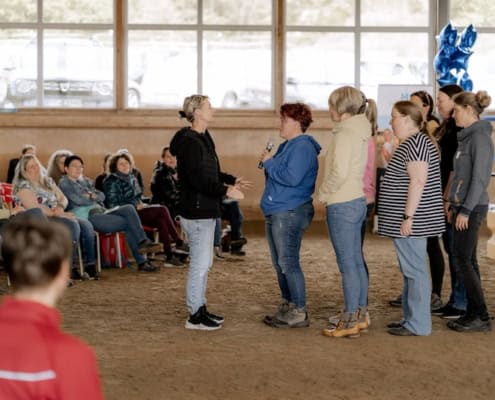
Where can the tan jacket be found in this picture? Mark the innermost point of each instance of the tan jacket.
(345, 161)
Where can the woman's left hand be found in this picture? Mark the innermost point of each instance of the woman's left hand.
(461, 222)
(406, 227)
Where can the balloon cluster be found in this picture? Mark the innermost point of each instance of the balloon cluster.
(451, 61)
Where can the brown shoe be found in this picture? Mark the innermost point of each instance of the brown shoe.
(346, 327)
(364, 321)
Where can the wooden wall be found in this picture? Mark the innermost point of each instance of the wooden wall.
(239, 138)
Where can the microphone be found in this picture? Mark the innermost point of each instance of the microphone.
(268, 147)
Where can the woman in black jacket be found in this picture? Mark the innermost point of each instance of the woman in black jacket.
(202, 187)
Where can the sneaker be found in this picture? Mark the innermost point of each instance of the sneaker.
(91, 271)
(218, 253)
(147, 246)
(364, 321)
(200, 321)
(346, 327)
(181, 248)
(449, 312)
(294, 318)
(147, 267)
(216, 318)
(173, 261)
(394, 325)
(237, 252)
(238, 242)
(397, 302)
(281, 310)
(400, 331)
(436, 302)
(470, 324)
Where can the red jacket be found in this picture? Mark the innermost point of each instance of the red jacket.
(39, 361)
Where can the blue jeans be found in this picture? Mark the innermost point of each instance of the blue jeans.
(200, 234)
(87, 240)
(125, 219)
(284, 232)
(458, 297)
(411, 253)
(465, 260)
(344, 222)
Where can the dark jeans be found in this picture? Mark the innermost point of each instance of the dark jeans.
(284, 232)
(466, 263)
(458, 291)
(158, 217)
(437, 264)
(232, 213)
(369, 209)
(124, 218)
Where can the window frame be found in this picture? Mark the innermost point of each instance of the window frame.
(121, 117)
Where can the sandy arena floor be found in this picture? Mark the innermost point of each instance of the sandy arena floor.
(134, 321)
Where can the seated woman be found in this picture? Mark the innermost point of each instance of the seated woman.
(86, 202)
(121, 188)
(32, 189)
(55, 167)
(37, 356)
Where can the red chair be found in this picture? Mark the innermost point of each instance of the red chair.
(113, 249)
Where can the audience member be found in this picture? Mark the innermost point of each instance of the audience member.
(121, 188)
(55, 167)
(33, 189)
(26, 149)
(86, 202)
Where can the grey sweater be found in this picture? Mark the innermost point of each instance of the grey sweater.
(472, 167)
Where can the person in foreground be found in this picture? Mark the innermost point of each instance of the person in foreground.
(468, 198)
(410, 210)
(39, 360)
(203, 186)
(288, 208)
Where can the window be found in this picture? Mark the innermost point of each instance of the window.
(67, 50)
(327, 48)
(65, 54)
(228, 55)
(480, 64)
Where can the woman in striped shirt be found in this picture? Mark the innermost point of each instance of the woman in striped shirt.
(411, 210)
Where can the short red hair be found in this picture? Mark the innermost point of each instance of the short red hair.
(299, 112)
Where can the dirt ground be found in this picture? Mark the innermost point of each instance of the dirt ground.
(134, 321)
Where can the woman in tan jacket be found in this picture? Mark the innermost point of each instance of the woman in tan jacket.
(342, 192)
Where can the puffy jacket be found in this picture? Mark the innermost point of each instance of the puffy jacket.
(165, 186)
(121, 189)
(202, 182)
(472, 167)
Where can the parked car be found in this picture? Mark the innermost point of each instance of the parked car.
(77, 72)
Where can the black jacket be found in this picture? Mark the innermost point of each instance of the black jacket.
(202, 184)
(165, 187)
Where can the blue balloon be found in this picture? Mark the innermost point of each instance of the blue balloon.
(451, 60)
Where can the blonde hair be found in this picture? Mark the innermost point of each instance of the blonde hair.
(408, 108)
(191, 104)
(350, 100)
(478, 101)
(21, 172)
(52, 168)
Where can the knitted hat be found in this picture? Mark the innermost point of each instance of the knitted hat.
(451, 90)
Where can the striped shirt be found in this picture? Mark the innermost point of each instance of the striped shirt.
(428, 219)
